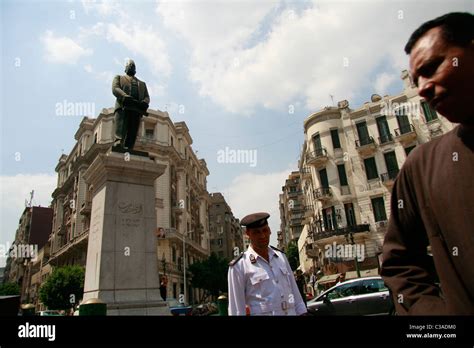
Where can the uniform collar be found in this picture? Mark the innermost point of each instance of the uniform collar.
(271, 253)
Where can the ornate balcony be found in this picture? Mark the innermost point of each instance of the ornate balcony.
(365, 228)
(405, 134)
(386, 139)
(389, 177)
(365, 146)
(317, 158)
(305, 173)
(323, 194)
(86, 208)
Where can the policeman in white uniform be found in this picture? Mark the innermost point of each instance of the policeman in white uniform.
(261, 278)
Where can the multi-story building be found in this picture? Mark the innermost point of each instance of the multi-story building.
(32, 235)
(181, 196)
(225, 230)
(38, 271)
(291, 211)
(349, 160)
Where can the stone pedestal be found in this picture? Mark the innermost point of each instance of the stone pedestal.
(122, 266)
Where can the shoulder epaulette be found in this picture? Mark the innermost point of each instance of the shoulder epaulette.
(234, 261)
(277, 249)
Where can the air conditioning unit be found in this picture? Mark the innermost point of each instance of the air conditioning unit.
(381, 224)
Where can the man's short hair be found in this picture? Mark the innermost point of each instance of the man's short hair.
(457, 27)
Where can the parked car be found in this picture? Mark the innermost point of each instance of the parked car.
(361, 296)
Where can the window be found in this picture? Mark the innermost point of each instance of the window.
(403, 121)
(335, 139)
(342, 174)
(317, 142)
(175, 294)
(371, 286)
(392, 164)
(384, 130)
(219, 242)
(173, 254)
(172, 141)
(371, 168)
(323, 178)
(363, 133)
(343, 291)
(408, 149)
(149, 133)
(430, 114)
(378, 206)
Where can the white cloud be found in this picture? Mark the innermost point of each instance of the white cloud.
(249, 193)
(62, 49)
(142, 41)
(302, 54)
(383, 81)
(14, 190)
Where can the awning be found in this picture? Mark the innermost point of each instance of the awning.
(328, 278)
(365, 273)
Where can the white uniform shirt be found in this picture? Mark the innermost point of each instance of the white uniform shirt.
(268, 288)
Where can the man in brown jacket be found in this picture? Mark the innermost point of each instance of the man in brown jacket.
(433, 196)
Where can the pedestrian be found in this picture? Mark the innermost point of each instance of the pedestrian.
(261, 277)
(341, 278)
(163, 287)
(432, 201)
(301, 283)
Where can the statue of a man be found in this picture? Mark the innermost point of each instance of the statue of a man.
(132, 103)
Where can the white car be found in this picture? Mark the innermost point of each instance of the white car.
(360, 296)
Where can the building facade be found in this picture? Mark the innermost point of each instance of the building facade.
(348, 163)
(181, 201)
(291, 211)
(31, 236)
(225, 230)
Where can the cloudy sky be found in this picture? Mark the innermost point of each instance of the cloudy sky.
(242, 74)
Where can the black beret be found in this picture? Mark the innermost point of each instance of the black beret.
(255, 220)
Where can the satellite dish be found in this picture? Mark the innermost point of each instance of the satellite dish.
(375, 98)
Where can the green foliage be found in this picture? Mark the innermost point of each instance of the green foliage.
(293, 255)
(64, 288)
(210, 274)
(9, 289)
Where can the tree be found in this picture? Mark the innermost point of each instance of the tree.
(64, 288)
(293, 255)
(210, 275)
(9, 289)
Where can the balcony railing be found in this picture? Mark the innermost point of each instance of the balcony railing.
(404, 130)
(317, 157)
(385, 138)
(389, 176)
(323, 193)
(342, 231)
(86, 208)
(364, 141)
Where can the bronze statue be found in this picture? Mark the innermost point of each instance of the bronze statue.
(132, 103)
